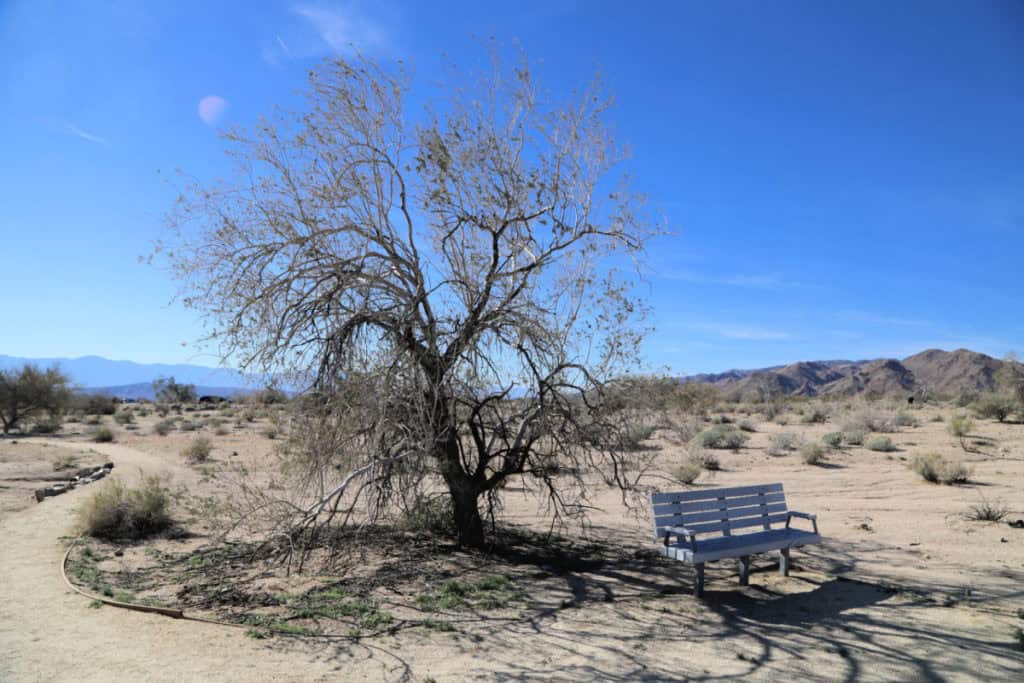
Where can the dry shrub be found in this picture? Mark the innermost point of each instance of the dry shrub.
(882, 444)
(721, 436)
(779, 444)
(103, 435)
(117, 512)
(812, 453)
(198, 450)
(687, 471)
(938, 470)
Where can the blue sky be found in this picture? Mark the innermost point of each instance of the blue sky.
(843, 180)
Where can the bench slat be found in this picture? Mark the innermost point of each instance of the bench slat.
(746, 544)
(662, 509)
(705, 494)
(709, 527)
(694, 518)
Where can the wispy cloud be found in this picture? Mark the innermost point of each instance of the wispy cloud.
(743, 332)
(746, 280)
(344, 29)
(85, 135)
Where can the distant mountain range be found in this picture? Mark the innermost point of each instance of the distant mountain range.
(125, 379)
(941, 373)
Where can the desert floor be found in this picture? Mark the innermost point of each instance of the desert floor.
(905, 587)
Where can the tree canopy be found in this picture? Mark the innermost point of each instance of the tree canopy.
(456, 288)
(29, 392)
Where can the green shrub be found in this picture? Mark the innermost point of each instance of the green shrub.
(270, 432)
(49, 425)
(812, 453)
(721, 436)
(833, 439)
(779, 444)
(687, 471)
(746, 426)
(103, 435)
(117, 512)
(905, 419)
(994, 406)
(198, 450)
(880, 443)
(854, 436)
(163, 427)
(187, 426)
(123, 417)
(938, 470)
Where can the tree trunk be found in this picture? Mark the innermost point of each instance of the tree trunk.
(468, 522)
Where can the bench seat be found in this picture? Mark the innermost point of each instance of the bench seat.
(711, 549)
(703, 525)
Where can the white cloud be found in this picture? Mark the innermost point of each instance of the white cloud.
(744, 332)
(343, 29)
(85, 135)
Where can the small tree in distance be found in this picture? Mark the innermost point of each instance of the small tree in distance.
(458, 293)
(30, 392)
(169, 391)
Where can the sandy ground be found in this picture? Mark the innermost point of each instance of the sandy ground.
(905, 588)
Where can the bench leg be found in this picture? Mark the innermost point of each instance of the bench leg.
(784, 562)
(698, 580)
(744, 563)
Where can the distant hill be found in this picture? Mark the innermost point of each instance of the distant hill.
(144, 390)
(943, 373)
(126, 379)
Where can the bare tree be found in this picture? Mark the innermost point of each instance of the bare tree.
(457, 289)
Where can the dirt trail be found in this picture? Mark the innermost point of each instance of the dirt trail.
(49, 633)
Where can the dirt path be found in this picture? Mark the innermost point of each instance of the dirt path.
(49, 633)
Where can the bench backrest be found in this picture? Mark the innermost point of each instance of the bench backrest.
(710, 510)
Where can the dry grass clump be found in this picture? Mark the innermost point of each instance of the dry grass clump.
(833, 440)
(103, 435)
(812, 453)
(117, 512)
(960, 426)
(163, 427)
(938, 470)
(779, 444)
(723, 436)
(882, 444)
(987, 511)
(197, 451)
(746, 426)
(854, 436)
(905, 419)
(687, 471)
(870, 419)
(815, 416)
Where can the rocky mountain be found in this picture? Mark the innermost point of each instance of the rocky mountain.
(943, 373)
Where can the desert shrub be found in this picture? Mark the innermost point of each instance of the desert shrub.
(812, 452)
(854, 436)
(994, 406)
(987, 511)
(123, 417)
(163, 427)
(905, 419)
(683, 431)
(779, 443)
(721, 420)
(103, 435)
(746, 426)
(631, 438)
(938, 418)
(93, 420)
(721, 436)
(687, 471)
(938, 470)
(833, 439)
(880, 443)
(870, 419)
(117, 512)
(221, 431)
(48, 425)
(430, 514)
(64, 462)
(271, 432)
(198, 450)
(960, 426)
(187, 426)
(706, 460)
(93, 404)
(815, 416)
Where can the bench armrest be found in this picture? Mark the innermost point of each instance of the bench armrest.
(691, 536)
(803, 515)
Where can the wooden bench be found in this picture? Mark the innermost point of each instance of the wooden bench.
(689, 514)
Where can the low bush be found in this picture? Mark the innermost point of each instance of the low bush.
(815, 416)
(905, 419)
(882, 444)
(271, 433)
(812, 453)
(721, 436)
(938, 470)
(833, 439)
(780, 443)
(49, 425)
(163, 427)
(197, 451)
(117, 512)
(631, 439)
(124, 417)
(687, 471)
(994, 406)
(103, 435)
(854, 436)
(746, 426)
(431, 514)
(960, 426)
(986, 511)
(187, 426)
